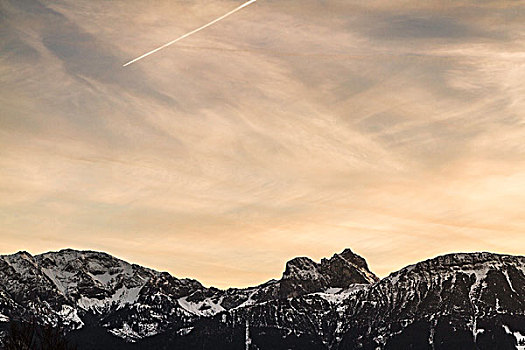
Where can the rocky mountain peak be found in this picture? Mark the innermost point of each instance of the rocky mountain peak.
(303, 275)
(301, 266)
(353, 258)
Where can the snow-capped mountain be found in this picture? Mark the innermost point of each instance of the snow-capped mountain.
(457, 301)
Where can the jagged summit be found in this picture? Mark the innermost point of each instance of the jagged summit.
(305, 265)
(303, 275)
(355, 259)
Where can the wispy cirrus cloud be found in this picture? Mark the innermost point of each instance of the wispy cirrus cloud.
(394, 128)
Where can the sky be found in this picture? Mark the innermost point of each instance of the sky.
(291, 128)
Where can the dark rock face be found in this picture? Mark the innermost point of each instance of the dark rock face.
(27, 291)
(303, 276)
(456, 301)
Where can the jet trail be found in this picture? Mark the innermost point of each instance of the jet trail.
(190, 33)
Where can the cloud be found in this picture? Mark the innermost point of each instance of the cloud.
(425, 26)
(289, 129)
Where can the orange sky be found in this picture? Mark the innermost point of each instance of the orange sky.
(395, 128)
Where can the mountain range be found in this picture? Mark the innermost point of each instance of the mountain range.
(455, 301)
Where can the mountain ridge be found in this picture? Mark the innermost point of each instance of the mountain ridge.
(337, 303)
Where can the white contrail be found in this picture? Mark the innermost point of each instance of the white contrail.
(190, 33)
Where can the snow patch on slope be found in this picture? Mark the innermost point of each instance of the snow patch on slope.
(338, 295)
(205, 308)
(125, 332)
(520, 338)
(185, 331)
(123, 296)
(70, 316)
(61, 279)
